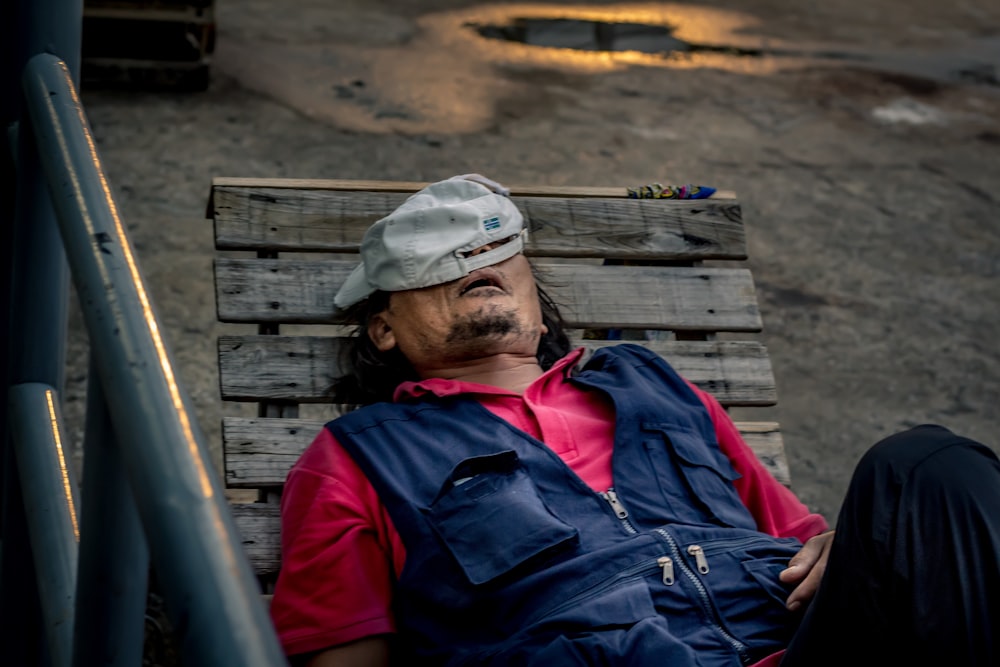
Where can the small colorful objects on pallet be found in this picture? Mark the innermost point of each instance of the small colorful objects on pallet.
(658, 191)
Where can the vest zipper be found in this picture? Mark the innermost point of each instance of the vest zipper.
(666, 563)
(700, 561)
(703, 597)
(619, 509)
(699, 558)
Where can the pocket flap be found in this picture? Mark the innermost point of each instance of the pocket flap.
(691, 449)
(492, 517)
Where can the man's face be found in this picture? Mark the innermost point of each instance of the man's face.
(493, 310)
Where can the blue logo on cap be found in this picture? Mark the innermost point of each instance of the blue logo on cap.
(490, 224)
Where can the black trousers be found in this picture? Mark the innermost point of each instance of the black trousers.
(914, 572)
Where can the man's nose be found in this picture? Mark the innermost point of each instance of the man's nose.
(485, 248)
(489, 246)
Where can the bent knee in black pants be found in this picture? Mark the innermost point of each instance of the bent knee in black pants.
(914, 570)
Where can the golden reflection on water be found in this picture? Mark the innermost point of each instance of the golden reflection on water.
(447, 78)
(467, 105)
(688, 23)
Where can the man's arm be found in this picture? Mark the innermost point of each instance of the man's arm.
(776, 509)
(367, 652)
(339, 555)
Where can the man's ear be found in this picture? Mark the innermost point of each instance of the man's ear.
(381, 333)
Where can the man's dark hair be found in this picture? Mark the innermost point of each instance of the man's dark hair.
(371, 375)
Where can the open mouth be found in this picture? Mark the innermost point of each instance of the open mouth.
(478, 280)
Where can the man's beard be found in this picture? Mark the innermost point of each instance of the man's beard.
(480, 325)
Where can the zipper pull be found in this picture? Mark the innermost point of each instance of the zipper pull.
(616, 504)
(699, 558)
(667, 565)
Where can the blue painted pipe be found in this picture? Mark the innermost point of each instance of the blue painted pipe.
(34, 297)
(114, 558)
(51, 507)
(212, 597)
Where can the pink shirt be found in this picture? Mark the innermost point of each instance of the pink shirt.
(341, 553)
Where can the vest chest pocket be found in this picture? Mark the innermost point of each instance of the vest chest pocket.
(695, 477)
(492, 518)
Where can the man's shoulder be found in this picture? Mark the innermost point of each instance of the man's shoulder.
(629, 364)
(627, 351)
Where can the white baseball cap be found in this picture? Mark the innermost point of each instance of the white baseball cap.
(427, 239)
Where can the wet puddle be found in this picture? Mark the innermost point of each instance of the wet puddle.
(661, 39)
(600, 36)
(586, 35)
(438, 73)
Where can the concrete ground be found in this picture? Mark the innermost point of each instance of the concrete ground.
(862, 136)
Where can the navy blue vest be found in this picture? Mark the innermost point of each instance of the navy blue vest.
(511, 559)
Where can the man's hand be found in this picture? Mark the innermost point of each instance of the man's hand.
(806, 568)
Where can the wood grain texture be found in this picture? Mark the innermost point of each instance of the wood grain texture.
(412, 186)
(303, 368)
(334, 221)
(266, 448)
(298, 291)
(259, 526)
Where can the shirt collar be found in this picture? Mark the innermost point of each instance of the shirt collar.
(442, 387)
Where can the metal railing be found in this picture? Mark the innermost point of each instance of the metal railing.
(74, 575)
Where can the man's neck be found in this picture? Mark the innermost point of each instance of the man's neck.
(506, 371)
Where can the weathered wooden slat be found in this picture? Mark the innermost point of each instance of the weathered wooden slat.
(764, 438)
(335, 221)
(533, 190)
(259, 451)
(589, 295)
(646, 297)
(637, 229)
(189, 13)
(303, 368)
(265, 449)
(259, 526)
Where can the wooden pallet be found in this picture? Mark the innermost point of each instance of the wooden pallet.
(666, 273)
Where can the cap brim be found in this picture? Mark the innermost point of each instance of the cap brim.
(355, 289)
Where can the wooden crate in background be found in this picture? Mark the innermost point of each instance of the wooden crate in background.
(148, 43)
